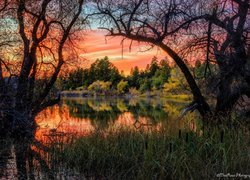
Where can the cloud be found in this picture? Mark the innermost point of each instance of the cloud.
(96, 45)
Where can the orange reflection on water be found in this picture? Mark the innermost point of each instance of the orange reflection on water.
(128, 120)
(56, 122)
(58, 119)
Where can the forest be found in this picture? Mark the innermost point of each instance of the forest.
(103, 78)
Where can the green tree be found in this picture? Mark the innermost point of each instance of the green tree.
(122, 86)
(165, 70)
(158, 79)
(75, 79)
(145, 85)
(134, 78)
(152, 68)
(176, 83)
(103, 70)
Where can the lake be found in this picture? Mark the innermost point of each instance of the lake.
(86, 116)
(72, 119)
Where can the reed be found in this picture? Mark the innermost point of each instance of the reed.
(127, 154)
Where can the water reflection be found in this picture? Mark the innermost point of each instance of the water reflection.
(19, 161)
(85, 116)
(33, 158)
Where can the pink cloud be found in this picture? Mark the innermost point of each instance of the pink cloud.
(95, 46)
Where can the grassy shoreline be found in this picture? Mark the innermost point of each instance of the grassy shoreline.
(126, 154)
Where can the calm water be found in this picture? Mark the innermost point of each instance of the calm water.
(82, 117)
(86, 116)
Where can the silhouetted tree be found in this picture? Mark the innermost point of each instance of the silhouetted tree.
(169, 24)
(45, 29)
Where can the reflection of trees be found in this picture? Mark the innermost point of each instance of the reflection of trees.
(5, 153)
(18, 159)
(101, 113)
(122, 105)
(143, 108)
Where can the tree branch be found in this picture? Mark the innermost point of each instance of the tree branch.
(53, 78)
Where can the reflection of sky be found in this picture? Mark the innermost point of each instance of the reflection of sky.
(83, 117)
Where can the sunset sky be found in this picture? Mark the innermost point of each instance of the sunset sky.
(95, 46)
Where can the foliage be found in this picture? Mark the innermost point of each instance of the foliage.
(145, 85)
(122, 86)
(134, 78)
(104, 70)
(100, 70)
(100, 87)
(176, 83)
(153, 77)
(75, 79)
(157, 79)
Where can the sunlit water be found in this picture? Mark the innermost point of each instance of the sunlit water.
(86, 116)
(83, 117)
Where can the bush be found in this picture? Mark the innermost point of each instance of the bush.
(122, 86)
(100, 87)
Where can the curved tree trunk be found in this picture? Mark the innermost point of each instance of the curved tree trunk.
(203, 106)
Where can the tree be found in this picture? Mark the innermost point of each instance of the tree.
(158, 79)
(76, 78)
(165, 70)
(46, 30)
(104, 70)
(176, 83)
(225, 43)
(122, 86)
(152, 68)
(134, 78)
(161, 74)
(5, 41)
(156, 74)
(145, 85)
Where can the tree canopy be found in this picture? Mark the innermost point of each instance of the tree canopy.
(102, 70)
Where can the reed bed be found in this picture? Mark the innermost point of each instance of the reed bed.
(128, 154)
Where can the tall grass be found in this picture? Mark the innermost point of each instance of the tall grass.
(127, 154)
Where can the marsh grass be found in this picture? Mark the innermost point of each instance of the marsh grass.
(128, 154)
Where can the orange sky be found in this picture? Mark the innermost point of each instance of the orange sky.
(95, 46)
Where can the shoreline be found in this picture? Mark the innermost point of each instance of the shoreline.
(85, 94)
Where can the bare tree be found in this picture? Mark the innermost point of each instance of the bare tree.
(3, 6)
(46, 29)
(169, 24)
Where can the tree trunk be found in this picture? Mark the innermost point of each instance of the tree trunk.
(202, 107)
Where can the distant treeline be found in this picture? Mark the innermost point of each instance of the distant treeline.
(104, 77)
